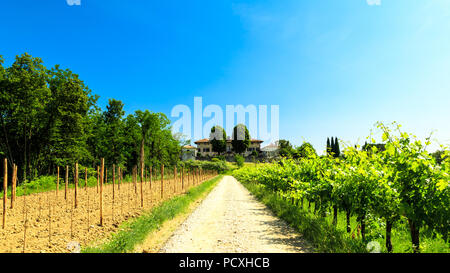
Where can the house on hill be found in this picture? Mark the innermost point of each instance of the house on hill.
(204, 147)
(188, 152)
(271, 150)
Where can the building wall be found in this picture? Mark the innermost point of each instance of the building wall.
(205, 149)
(188, 154)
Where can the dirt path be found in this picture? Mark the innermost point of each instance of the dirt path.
(231, 220)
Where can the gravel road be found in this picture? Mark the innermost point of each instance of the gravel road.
(231, 220)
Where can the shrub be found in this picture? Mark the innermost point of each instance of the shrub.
(239, 160)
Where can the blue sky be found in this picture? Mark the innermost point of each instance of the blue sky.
(333, 67)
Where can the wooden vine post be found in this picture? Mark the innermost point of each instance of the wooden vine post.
(57, 181)
(135, 186)
(135, 179)
(5, 189)
(176, 180)
(87, 193)
(151, 176)
(13, 186)
(66, 182)
(142, 182)
(195, 177)
(187, 178)
(76, 184)
(162, 181)
(113, 184)
(49, 220)
(118, 179)
(25, 218)
(118, 188)
(182, 178)
(114, 180)
(101, 192)
(98, 177)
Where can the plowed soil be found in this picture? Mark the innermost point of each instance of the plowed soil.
(49, 222)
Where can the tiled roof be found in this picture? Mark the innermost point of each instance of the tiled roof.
(270, 147)
(189, 147)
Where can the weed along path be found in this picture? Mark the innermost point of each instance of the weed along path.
(231, 220)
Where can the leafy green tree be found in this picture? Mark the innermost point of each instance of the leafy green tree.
(218, 139)
(132, 134)
(50, 118)
(68, 105)
(4, 98)
(23, 112)
(306, 150)
(285, 148)
(241, 138)
(145, 120)
(95, 132)
(114, 136)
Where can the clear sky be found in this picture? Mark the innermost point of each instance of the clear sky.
(333, 67)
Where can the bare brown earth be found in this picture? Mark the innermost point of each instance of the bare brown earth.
(53, 222)
(231, 220)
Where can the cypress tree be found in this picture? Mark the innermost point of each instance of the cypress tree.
(328, 146)
(333, 147)
(338, 150)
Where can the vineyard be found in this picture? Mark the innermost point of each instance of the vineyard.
(402, 185)
(87, 210)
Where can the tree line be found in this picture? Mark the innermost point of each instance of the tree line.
(49, 117)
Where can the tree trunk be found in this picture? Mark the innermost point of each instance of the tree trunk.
(414, 236)
(363, 227)
(322, 210)
(388, 236)
(141, 161)
(335, 212)
(348, 221)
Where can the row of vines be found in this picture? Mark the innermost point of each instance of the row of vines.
(403, 182)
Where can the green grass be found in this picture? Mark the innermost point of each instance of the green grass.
(320, 232)
(136, 230)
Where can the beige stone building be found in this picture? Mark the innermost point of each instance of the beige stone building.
(204, 148)
(188, 152)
